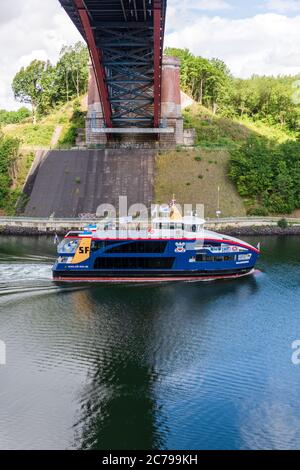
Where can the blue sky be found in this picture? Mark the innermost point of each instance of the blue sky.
(235, 9)
(242, 8)
(189, 10)
(231, 8)
(252, 37)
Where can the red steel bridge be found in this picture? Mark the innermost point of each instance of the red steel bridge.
(125, 40)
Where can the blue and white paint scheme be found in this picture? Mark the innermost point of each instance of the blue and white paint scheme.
(172, 248)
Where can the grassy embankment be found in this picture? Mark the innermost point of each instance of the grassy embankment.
(56, 130)
(195, 174)
(39, 136)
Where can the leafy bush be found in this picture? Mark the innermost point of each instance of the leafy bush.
(282, 223)
(9, 148)
(258, 211)
(14, 117)
(77, 121)
(268, 172)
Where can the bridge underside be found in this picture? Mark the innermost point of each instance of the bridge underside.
(125, 39)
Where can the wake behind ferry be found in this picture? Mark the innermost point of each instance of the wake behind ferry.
(173, 248)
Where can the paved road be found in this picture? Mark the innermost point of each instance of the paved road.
(68, 183)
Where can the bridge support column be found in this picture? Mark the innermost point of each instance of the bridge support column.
(94, 118)
(171, 115)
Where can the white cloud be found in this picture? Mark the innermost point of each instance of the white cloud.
(264, 44)
(283, 6)
(30, 30)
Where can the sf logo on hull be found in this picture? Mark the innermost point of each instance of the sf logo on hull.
(83, 251)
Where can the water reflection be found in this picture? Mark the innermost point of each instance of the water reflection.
(118, 406)
(143, 342)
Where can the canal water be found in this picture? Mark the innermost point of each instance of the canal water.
(175, 366)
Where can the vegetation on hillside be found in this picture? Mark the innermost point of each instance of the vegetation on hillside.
(194, 176)
(214, 131)
(207, 81)
(45, 86)
(263, 160)
(273, 100)
(268, 175)
(67, 118)
(256, 120)
(9, 151)
(76, 121)
(14, 117)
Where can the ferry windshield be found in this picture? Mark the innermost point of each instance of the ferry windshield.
(191, 228)
(68, 245)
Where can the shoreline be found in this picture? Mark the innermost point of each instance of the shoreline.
(263, 230)
(234, 231)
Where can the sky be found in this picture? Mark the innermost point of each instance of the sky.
(252, 37)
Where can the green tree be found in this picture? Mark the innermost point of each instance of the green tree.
(72, 70)
(207, 81)
(27, 84)
(44, 85)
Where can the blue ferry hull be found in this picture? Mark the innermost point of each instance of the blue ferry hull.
(159, 260)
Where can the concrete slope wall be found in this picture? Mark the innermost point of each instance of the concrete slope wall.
(69, 183)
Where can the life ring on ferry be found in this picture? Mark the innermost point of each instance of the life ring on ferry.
(150, 231)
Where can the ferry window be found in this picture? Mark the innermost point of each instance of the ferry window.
(68, 245)
(133, 263)
(211, 244)
(101, 244)
(139, 247)
(95, 245)
(191, 228)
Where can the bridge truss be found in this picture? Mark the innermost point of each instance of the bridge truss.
(125, 40)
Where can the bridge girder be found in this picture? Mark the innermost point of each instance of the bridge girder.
(125, 40)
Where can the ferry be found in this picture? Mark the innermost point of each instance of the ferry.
(172, 248)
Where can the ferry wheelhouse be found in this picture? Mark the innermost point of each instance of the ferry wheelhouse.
(172, 248)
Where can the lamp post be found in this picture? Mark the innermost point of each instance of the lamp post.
(218, 212)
